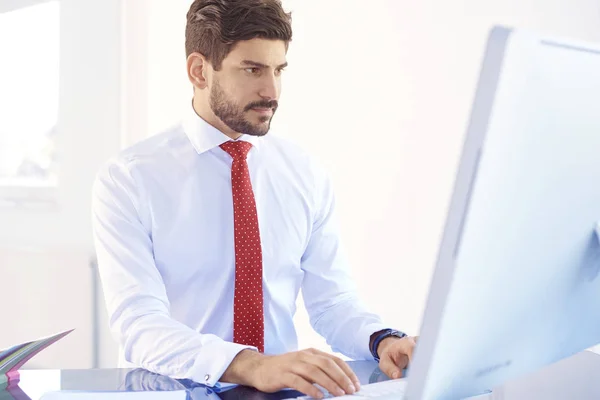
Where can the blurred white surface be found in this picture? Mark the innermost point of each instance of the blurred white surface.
(27, 144)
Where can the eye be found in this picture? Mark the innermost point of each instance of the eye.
(280, 70)
(253, 70)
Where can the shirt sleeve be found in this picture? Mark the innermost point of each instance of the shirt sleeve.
(336, 312)
(135, 294)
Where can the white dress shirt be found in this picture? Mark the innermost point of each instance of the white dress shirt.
(163, 230)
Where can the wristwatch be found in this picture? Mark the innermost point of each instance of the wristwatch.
(382, 335)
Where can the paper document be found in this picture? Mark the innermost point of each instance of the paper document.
(166, 395)
(393, 388)
(15, 357)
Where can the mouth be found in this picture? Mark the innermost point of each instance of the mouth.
(263, 111)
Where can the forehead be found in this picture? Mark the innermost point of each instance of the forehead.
(264, 51)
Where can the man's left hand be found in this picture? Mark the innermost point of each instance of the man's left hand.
(395, 354)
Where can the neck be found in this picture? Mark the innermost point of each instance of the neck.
(204, 111)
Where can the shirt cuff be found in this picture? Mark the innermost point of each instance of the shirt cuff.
(364, 337)
(213, 361)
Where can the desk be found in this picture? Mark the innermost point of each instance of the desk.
(577, 377)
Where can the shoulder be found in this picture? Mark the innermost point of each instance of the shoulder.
(158, 149)
(159, 152)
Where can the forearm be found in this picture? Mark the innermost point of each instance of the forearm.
(348, 326)
(162, 345)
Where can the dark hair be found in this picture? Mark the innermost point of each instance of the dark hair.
(215, 26)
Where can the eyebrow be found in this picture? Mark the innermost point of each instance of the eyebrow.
(260, 65)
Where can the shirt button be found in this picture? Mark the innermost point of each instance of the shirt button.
(206, 377)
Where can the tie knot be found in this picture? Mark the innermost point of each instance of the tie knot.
(238, 150)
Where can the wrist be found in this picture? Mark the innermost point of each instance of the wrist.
(378, 337)
(243, 368)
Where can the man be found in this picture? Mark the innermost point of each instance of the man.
(206, 233)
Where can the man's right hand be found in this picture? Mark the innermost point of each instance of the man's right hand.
(298, 370)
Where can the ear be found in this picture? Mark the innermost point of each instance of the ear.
(198, 70)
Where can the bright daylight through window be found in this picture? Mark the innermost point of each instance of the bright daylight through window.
(29, 95)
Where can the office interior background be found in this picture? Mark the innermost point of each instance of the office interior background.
(378, 91)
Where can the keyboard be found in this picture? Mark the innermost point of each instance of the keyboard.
(392, 389)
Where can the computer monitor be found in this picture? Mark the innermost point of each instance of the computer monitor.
(516, 285)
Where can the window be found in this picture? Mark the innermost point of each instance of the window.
(29, 94)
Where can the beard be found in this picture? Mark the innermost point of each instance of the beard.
(234, 116)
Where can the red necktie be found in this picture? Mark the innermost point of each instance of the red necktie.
(248, 313)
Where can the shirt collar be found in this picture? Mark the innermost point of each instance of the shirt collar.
(205, 137)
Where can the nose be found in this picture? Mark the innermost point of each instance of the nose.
(270, 87)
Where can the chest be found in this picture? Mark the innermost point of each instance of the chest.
(193, 231)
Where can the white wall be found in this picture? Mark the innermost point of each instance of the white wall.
(380, 91)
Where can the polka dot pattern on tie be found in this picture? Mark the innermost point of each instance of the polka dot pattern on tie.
(248, 312)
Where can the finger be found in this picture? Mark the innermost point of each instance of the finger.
(410, 347)
(348, 371)
(345, 367)
(296, 382)
(399, 359)
(402, 352)
(331, 368)
(314, 374)
(389, 366)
